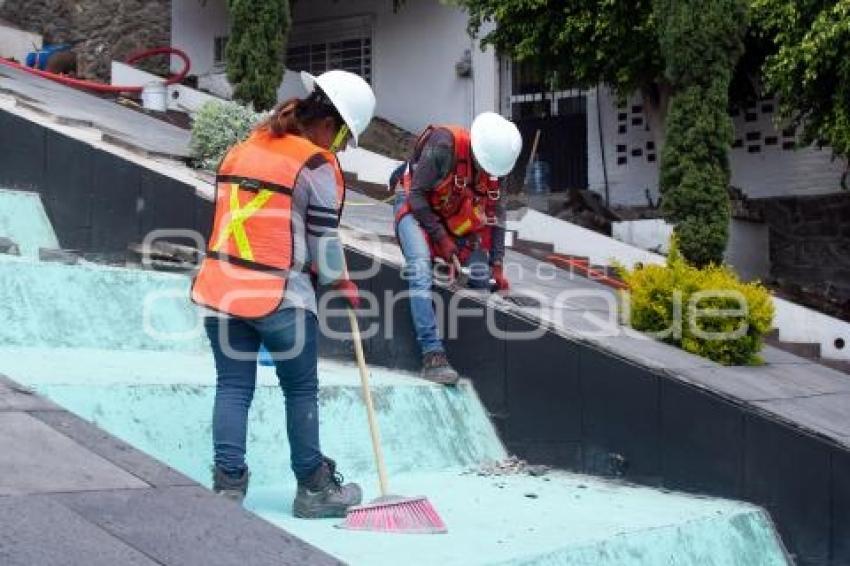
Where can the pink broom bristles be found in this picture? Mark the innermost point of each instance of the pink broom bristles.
(414, 515)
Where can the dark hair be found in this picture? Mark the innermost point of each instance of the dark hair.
(293, 116)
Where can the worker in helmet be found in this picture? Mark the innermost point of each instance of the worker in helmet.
(449, 207)
(279, 197)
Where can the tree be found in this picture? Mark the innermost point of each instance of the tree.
(255, 50)
(795, 50)
(701, 41)
(687, 49)
(582, 43)
(809, 69)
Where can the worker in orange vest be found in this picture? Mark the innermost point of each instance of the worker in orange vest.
(279, 198)
(449, 207)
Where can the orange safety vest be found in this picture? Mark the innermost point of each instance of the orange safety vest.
(250, 250)
(466, 199)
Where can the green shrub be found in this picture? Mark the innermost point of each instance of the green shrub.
(217, 126)
(701, 41)
(683, 305)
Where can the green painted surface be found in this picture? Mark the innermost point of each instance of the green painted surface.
(78, 335)
(22, 218)
(435, 439)
(181, 434)
(92, 306)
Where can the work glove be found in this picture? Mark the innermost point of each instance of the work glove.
(446, 248)
(349, 291)
(498, 274)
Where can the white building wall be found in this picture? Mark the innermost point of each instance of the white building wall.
(414, 52)
(762, 161)
(768, 167)
(630, 157)
(193, 26)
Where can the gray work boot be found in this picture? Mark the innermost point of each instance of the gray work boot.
(233, 488)
(324, 495)
(436, 368)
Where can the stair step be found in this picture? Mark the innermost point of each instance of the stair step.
(520, 244)
(9, 246)
(574, 259)
(839, 365)
(808, 350)
(68, 257)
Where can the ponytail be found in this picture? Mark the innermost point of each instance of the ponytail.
(282, 120)
(293, 116)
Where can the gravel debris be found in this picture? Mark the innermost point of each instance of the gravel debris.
(510, 467)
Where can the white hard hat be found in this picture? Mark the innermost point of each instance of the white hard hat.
(350, 94)
(496, 143)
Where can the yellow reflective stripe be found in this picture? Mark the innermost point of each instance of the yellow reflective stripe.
(238, 216)
(463, 228)
(340, 139)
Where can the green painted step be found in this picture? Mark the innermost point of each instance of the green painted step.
(23, 219)
(124, 349)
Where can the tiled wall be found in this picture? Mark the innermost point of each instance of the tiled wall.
(97, 202)
(570, 405)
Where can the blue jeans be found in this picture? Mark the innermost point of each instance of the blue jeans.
(291, 335)
(418, 271)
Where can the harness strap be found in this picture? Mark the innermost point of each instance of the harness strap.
(463, 163)
(254, 185)
(255, 265)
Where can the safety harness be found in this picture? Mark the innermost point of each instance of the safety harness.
(465, 200)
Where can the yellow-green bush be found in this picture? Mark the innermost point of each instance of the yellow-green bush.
(684, 306)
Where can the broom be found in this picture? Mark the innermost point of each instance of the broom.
(388, 513)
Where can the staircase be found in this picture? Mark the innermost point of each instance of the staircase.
(122, 348)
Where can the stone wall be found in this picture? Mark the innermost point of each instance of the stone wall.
(810, 242)
(105, 29)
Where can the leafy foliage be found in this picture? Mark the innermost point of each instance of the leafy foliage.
(218, 126)
(708, 312)
(255, 49)
(810, 68)
(800, 46)
(585, 41)
(701, 41)
(707, 54)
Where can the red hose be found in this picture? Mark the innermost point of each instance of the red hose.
(100, 87)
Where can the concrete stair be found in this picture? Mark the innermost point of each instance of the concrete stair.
(438, 442)
(809, 350)
(122, 348)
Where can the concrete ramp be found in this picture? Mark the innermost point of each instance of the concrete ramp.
(91, 306)
(438, 443)
(123, 349)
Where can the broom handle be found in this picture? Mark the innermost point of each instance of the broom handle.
(370, 408)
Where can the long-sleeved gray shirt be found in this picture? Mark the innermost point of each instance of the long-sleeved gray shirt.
(431, 164)
(316, 245)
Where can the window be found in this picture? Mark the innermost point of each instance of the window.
(341, 43)
(532, 95)
(219, 46)
(354, 55)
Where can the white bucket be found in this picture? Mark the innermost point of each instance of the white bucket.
(155, 97)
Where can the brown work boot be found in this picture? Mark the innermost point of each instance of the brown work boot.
(231, 487)
(436, 368)
(325, 494)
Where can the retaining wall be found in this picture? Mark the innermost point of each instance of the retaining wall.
(554, 400)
